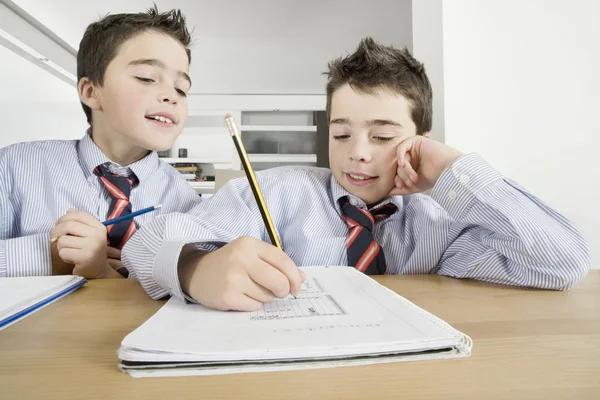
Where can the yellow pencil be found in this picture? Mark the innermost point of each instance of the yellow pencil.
(237, 140)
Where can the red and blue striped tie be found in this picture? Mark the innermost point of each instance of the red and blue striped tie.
(119, 188)
(364, 253)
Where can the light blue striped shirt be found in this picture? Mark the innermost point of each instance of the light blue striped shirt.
(476, 224)
(40, 181)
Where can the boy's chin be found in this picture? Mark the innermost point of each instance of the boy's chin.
(369, 197)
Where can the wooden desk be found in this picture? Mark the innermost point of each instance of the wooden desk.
(527, 345)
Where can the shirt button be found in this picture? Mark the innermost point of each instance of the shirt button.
(354, 202)
(464, 179)
(452, 194)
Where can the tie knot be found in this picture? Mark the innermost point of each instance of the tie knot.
(118, 184)
(356, 216)
(119, 177)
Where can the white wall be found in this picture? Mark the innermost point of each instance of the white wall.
(34, 104)
(255, 46)
(522, 88)
(23, 122)
(427, 35)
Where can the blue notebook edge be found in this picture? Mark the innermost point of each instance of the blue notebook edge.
(76, 285)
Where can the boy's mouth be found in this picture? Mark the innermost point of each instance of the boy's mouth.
(358, 179)
(162, 119)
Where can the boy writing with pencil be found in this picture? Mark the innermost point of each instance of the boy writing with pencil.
(366, 211)
(132, 81)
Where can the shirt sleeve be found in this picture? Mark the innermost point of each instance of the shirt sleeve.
(502, 234)
(152, 254)
(19, 256)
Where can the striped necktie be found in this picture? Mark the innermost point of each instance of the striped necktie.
(364, 253)
(119, 188)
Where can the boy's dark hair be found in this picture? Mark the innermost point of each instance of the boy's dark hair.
(102, 40)
(374, 66)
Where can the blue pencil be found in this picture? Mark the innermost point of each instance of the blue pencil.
(123, 218)
(129, 216)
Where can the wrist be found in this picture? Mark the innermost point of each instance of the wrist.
(59, 267)
(455, 155)
(110, 273)
(189, 266)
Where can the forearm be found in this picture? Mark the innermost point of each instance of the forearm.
(26, 256)
(507, 235)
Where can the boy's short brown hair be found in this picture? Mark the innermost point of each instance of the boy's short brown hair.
(374, 66)
(102, 40)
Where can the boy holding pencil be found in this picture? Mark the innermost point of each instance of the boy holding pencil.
(132, 81)
(366, 211)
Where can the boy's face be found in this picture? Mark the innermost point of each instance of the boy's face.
(142, 101)
(364, 131)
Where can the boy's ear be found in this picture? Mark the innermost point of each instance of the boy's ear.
(88, 94)
(427, 135)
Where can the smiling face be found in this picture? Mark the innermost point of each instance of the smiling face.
(142, 100)
(364, 131)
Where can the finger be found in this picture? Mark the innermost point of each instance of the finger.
(85, 272)
(278, 259)
(401, 192)
(269, 278)
(112, 252)
(303, 274)
(400, 189)
(410, 168)
(74, 228)
(70, 242)
(403, 150)
(402, 175)
(69, 255)
(245, 303)
(258, 292)
(80, 216)
(115, 264)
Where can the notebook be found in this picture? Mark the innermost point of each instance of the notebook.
(341, 317)
(20, 297)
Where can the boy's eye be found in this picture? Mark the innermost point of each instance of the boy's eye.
(382, 138)
(341, 137)
(145, 80)
(181, 92)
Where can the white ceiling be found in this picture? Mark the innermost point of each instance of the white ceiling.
(257, 46)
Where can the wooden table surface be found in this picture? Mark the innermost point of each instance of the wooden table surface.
(528, 344)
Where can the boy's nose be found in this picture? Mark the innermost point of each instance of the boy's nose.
(360, 152)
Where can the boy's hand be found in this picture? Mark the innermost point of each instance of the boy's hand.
(82, 242)
(421, 161)
(241, 276)
(114, 258)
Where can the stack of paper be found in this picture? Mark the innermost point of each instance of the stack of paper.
(20, 297)
(342, 317)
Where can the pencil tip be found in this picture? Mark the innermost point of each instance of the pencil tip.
(158, 206)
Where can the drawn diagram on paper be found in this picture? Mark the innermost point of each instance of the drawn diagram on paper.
(313, 301)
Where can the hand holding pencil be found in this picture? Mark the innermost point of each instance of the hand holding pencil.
(79, 239)
(247, 272)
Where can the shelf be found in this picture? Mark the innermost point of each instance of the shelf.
(278, 128)
(203, 187)
(193, 161)
(299, 158)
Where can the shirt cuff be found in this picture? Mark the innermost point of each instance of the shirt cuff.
(3, 267)
(168, 255)
(458, 185)
(26, 256)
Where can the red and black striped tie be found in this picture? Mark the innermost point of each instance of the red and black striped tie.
(119, 188)
(364, 253)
